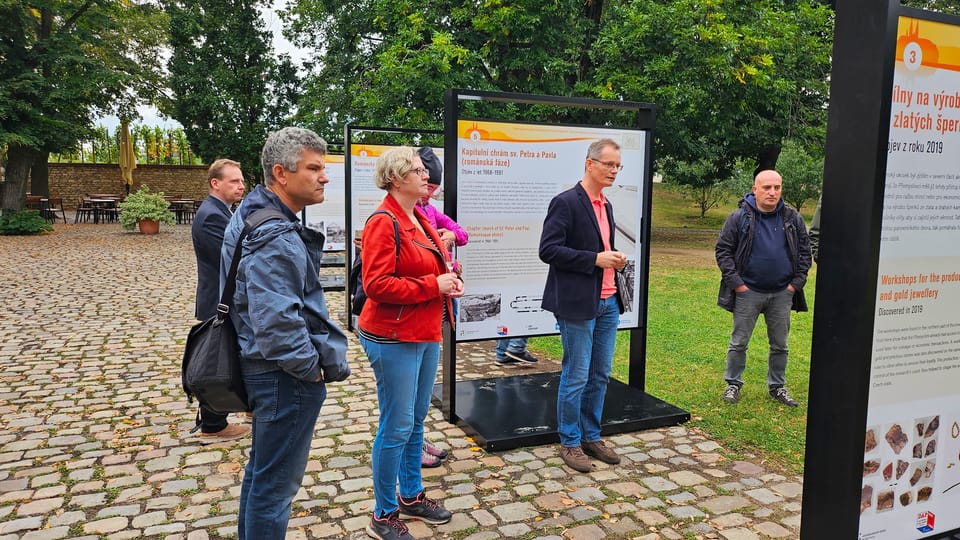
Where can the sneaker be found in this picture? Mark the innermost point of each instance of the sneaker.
(600, 451)
(428, 461)
(434, 451)
(731, 394)
(232, 431)
(574, 458)
(781, 395)
(523, 357)
(505, 361)
(424, 509)
(389, 527)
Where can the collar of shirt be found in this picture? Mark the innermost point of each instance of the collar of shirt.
(600, 201)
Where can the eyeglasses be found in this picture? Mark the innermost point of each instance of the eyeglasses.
(420, 171)
(608, 164)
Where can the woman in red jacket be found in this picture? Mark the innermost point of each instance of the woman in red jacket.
(408, 298)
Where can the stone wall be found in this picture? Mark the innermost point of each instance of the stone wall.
(74, 180)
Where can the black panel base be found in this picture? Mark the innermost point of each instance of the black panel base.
(510, 412)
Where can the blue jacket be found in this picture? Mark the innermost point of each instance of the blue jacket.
(279, 313)
(735, 244)
(569, 243)
(207, 232)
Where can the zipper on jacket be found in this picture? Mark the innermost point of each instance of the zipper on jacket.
(400, 313)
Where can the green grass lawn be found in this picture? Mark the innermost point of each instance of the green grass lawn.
(687, 336)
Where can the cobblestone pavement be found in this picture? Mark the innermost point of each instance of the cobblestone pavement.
(95, 442)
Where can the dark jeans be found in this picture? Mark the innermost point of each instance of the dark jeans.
(212, 421)
(285, 412)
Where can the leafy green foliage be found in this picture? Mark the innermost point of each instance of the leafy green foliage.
(144, 204)
(802, 174)
(150, 145)
(943, 6)
(63, 63)
(388, 63)
(23, 222)
(227, 87)
(730, 79)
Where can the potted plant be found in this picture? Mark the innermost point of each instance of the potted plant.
(146, 209)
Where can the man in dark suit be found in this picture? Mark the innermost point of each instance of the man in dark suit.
(226, 189)
(581, 291)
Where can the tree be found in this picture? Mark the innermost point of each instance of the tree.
(802, 173)
(62, 62)
(387, 63)
(943, 6)
(227, 88)
(690, 177)
(730, 79)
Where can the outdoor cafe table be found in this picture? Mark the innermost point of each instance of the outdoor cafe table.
(181, 207)
(100, 206)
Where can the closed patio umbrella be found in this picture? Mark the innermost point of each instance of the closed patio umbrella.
(128, 160)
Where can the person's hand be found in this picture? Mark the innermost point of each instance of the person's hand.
(450, 284)
(611, 259)
(447, 237)
(790, 288)
(742, 288)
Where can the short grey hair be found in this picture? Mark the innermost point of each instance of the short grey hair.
(394, 163)
(596, 147)
(284, 147)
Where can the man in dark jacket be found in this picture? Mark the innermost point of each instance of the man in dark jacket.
(289, 344)
(578, 243)
(764, 254)
(226, 188)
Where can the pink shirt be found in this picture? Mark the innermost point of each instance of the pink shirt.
(609, 286)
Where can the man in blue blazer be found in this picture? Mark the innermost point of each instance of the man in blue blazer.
(226, 188)
(581, 292)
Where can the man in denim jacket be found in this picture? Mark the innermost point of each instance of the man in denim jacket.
(289, 345)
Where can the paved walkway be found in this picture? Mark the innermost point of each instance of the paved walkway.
(95, 443)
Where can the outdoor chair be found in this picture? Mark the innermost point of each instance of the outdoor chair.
(110, 212)
(33, 202)
(85, 211)
(55, 207)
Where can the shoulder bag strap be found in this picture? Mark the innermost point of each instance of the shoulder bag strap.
(253, 221)
(396, 233)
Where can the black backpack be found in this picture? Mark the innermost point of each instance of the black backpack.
(357, 297)
(211, 359)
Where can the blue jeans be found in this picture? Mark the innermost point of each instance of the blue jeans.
(285, 411)
(405, 375)
(587, 361)
(776, 313)
(514, 345)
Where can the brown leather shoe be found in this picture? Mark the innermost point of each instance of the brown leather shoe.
(232, 431)
(600, 451)
(574, 457)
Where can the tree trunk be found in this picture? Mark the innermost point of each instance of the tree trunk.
(40, 175)
(14, 188)
(767, 158)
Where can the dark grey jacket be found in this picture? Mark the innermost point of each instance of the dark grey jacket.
(735, 244)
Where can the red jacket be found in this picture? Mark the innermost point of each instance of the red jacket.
(403, 298)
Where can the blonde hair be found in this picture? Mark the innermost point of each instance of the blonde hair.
(216, 168)
(394, 163)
